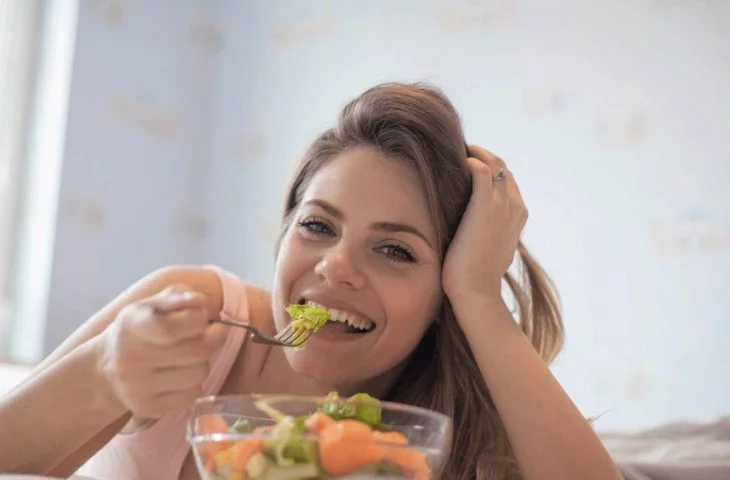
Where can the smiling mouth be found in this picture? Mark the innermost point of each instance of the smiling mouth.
(343, 320)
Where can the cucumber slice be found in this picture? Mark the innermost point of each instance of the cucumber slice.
(301, 450)
(257, 466)
(382, 468)
(295, 472)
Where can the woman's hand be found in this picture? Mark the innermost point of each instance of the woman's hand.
(487, 238)
(155, 355)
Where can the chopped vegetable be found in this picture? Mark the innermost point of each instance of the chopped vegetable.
(342, 437)
(283, 435)
(310, 317)
(306, 318)
(394, 438)
(208, 425)
(368, 409)
(346, 447)
(242, 426)
(335, 408)
(411, 461)
(317, 422)
(256, 467)
(243, 451)
(360, 406)
(382, 468)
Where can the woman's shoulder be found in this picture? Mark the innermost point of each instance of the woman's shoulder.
(241, 299)
(259, 300)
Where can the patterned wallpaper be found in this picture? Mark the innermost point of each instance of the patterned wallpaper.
(187, 116)
(135, 165)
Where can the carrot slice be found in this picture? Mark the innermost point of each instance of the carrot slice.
(343, 457)
(413, 462)
(317, 422)
(347, 429)
(394, 438)
(242, 451)
(208, 425)
(347, 446)
(221, 460)
(212, 423)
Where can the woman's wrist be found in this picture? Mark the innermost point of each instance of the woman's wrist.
(103, 395)
(479, 309)
(458, 289)
(467, 298)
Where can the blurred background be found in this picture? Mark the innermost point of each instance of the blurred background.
(136, 134)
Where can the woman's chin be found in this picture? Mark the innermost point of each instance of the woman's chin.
(328, 370)
(346, 374)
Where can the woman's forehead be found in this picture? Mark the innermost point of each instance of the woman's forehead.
(366, 183)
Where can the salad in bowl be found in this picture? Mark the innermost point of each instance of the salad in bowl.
(285, 437)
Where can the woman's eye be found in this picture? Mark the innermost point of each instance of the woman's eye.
(315, 226)
(398, 253)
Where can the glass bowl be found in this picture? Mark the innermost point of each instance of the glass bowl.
(286, 437)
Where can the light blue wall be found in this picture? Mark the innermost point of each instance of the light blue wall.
(136, 165)
(612, 115)
(186, 118)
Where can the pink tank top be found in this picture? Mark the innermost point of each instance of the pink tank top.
(158, 452)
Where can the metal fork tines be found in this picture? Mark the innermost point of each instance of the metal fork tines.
(289, 337)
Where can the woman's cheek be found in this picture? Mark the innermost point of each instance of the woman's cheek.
(408, 311)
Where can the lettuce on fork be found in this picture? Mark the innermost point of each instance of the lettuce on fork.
(306, 318)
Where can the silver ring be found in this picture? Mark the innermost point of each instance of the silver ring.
(500, 175)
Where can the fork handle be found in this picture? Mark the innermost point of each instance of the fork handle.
(228, 322)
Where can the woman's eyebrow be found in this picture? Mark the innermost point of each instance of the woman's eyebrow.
(390, 227)
(395, 227)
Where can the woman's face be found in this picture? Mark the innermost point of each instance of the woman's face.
(361, 244)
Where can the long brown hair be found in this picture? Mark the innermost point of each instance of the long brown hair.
(417, 124)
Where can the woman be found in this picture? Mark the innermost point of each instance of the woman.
(400, 229)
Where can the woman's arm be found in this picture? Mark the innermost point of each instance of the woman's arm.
(60, 409)
(65, 411)
(550, 437)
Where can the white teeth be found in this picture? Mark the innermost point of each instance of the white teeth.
(346, 317)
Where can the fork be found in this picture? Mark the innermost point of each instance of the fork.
(289, 337)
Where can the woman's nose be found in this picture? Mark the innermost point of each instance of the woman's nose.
(338, 268)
